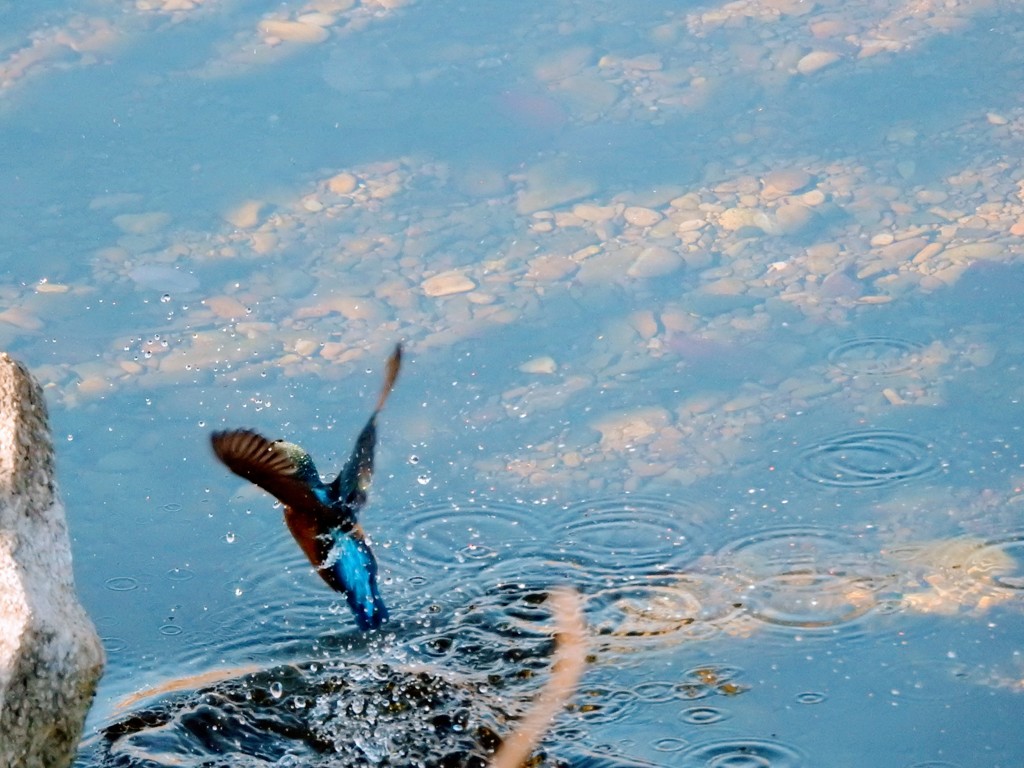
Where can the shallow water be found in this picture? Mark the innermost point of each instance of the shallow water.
(712, 311)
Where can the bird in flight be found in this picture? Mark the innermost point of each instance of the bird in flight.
(322, 517)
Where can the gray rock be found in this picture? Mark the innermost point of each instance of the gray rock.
(50, 655)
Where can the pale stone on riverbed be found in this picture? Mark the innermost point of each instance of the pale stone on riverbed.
(447, 284)
(549, 185)
(246, 215)
(726, 286)
(343, 184)
(621, 430)
(50, 655)
(21, 318)
(655, 261)
(141, 223)
(544, 364)
(293, 31)
(641, 217)
(973, 251)
(226, 307)
(790, 219)
(734, 219)
(785, 182)
(594, 213)
(816, 60)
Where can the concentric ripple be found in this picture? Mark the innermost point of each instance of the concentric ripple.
(605, 704)
(741, 753)
(122, 583)
(509, 615)
(875, 355)
(465, 536)
(868, 459)
(703, 715)
(803, 577)
(667, 610)
(631, 533)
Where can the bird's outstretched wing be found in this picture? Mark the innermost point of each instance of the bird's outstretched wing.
(353, 482)
(391, 369)
(351, 568)
(280, 468)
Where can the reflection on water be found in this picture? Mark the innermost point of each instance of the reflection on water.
(713, 311)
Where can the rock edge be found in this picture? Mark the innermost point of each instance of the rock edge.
(50, 655)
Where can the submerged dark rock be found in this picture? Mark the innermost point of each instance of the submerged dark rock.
(476, 681)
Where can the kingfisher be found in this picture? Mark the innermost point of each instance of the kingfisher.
(321, 516)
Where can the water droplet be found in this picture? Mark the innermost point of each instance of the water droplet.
(165, 298)
(180, 574)
(423, 479)
(276, 689)
(229, 537)
(414, 459)
(70, 438)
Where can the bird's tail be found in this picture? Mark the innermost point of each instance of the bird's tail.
(353, 565)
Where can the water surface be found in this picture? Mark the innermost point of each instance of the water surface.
(711, 311)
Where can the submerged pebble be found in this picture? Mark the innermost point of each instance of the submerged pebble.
(447, 284)
(293, 31)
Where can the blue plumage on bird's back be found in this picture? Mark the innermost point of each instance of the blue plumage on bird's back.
(352, 563)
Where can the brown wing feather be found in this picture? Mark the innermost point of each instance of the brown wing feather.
(390, 374)
(266, 463)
